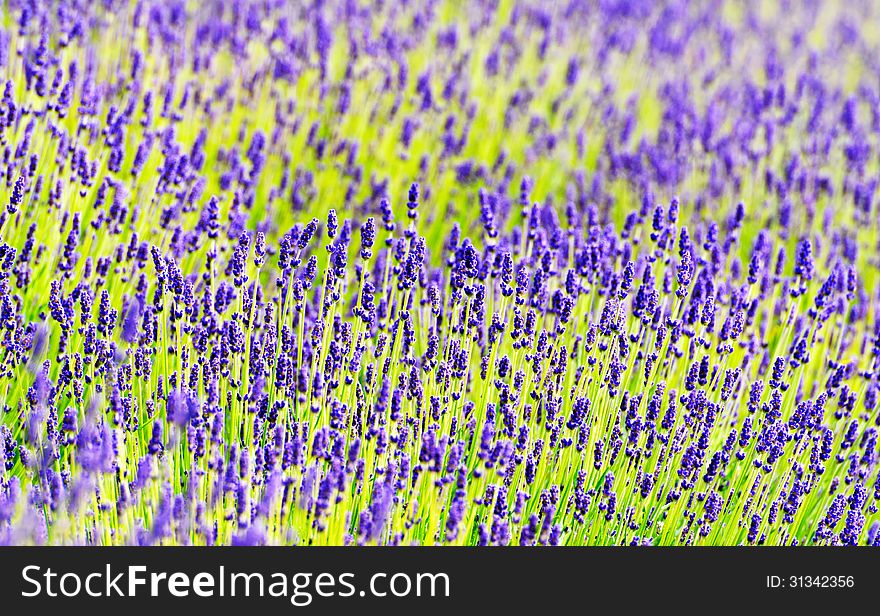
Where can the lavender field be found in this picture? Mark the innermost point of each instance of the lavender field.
(501, 272)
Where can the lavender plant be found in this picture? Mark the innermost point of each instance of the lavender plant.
(496, 272)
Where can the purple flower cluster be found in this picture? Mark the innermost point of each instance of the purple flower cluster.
(425, 273)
